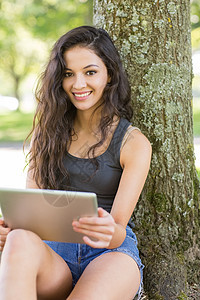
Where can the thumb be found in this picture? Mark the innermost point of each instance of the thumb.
(102, 212)
(1, 221)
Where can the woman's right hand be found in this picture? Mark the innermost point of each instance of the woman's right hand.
(3, 234)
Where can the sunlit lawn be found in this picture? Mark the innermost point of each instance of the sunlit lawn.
(15, 126)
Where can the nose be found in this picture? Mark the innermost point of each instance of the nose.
(79, 82)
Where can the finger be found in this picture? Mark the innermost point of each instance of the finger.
(2, 222)
(94, 234)
(96, 220)
(92, 222)
(2, 243)
(1, 248)
(101, 229)
(4, 230)
(102, 212)
(95, 244)
(3, 237)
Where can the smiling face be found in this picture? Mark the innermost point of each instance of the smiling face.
(85, 78)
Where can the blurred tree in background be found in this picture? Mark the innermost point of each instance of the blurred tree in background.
(195, 13)
(195, 23)
(27, 30)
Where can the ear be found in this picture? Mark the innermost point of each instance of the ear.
(109, 79)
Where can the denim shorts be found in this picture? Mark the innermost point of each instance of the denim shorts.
(78, 256)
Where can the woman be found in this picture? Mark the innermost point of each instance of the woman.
(82, 140)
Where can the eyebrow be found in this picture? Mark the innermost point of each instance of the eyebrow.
(88, 66)
(91, 66)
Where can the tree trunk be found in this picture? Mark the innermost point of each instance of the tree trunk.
(17, 82)
(153, 38)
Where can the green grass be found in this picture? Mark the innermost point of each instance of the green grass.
(196, 121)
(15, 126)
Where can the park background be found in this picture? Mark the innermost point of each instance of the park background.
(28, 29)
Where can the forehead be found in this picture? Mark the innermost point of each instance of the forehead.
(81, 56)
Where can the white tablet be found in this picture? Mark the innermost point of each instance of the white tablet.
(48, 213)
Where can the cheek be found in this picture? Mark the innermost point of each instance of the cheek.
(102, 82)
(65, 86)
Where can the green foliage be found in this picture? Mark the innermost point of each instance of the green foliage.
(15, 126)
(195, 23)
(46, 19)
(198, 172)
(50, 18)
(195, 13)
(27, 31)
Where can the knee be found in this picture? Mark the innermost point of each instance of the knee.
(21, 242)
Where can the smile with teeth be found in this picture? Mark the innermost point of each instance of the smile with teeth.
(81, 95)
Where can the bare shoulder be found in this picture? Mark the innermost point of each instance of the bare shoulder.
(135, 146)
(30, 182)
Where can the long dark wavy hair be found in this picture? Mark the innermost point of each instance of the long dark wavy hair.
(54, 118)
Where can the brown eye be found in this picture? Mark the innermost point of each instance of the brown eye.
(90, 73)
(68, 74)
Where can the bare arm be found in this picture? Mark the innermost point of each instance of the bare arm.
(135, 160)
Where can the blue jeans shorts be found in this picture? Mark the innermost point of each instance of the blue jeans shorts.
(78, 256)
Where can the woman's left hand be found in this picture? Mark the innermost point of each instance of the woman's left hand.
(101, 229)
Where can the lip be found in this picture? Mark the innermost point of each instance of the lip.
(82, 95)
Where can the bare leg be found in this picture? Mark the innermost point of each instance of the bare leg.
(30, 269)
(111, 276)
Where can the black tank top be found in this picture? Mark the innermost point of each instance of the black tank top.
(104, 181)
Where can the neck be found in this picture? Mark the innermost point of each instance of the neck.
(84, 121)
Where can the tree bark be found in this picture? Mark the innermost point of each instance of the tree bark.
(153, 38)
